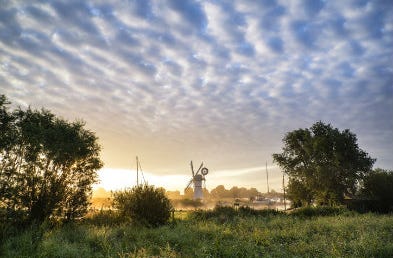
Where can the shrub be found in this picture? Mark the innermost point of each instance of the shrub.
(219, 212)
(227, 213)
(191, 203)
(104, 217)
(378, 191)
(318, 211)
(144, 204)
(248, 211)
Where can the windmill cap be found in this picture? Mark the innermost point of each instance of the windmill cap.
(198, 177)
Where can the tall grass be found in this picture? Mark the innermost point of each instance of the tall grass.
(261, 235)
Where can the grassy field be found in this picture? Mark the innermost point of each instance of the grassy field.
(198, 235)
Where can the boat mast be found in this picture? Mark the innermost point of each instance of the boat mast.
(137, 171)
(267, 179)
(283, 187)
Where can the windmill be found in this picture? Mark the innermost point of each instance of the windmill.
(196, 179)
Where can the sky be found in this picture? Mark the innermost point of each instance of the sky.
(218, 82)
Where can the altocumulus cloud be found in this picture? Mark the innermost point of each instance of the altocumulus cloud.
(220, 81)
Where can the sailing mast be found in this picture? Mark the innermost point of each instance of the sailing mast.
(283, 187)
(137, 171)
(267, 179)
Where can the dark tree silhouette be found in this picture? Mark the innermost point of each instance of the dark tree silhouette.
(47, 164)
(378, 186)
(323, 164)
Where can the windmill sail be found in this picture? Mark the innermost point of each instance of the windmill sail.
(189, 183)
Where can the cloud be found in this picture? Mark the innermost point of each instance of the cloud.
(216, 80)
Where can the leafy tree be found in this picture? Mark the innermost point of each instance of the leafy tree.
(234, 192)
(378, 186)
(299, 193)
(144, 204)
(206, 194)
(47, 164)
(252, 193)
(7, 141)
(189, 193)
(324, 162)
(173, 195)
(219, 192)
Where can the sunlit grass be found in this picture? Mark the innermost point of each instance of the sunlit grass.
(345, 235)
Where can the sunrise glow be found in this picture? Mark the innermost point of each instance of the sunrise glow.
(219, 82)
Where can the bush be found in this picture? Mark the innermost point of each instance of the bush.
(144, 204)
(248, 211)
(378, 191)
(191, 203)
(309, 212)
(104, 218)
(227, 213)
(220, 213)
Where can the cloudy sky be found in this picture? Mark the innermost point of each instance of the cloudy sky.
(213, 81)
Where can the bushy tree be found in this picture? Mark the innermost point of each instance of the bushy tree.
(189, 193)
(323, 161)
(219, 192)
(47, 164)
(144, 204)
(378, 186)
(298, 193)
(235, 192)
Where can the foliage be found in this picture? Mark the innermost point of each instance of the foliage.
(298, 193)
(221, 213)
(144, 204)
(323, 164)
(248, 211)
(309, 212)
(104, 218)
(47, 165)
(227, 213)
(378, 186)
(190, 203)
(366, 235)
(189, 193)
(235, 192)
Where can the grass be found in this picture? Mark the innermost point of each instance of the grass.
(224, 234)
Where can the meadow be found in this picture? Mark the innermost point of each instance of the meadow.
(207, 234)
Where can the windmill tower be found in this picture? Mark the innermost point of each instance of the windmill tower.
(196, 179)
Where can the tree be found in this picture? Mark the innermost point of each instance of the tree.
(206, 194)
(378, 186)
(219, 192)
(173, 195)
(326, 163)
(189, 193)
(299, 193)
(47, 164)
(144, 204)
(234, 192)
(252, 193)
(7, 141)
